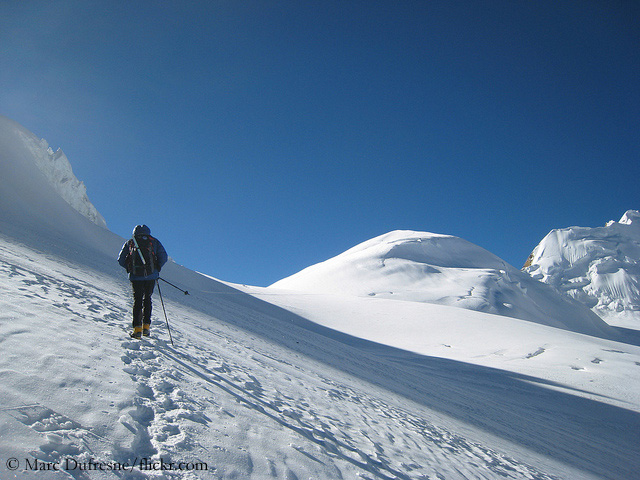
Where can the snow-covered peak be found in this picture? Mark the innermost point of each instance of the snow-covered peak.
(442, 269)
(56, 168)
(598, 266)
(41, 201)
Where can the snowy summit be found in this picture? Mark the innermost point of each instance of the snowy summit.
(445, 270)
(599, 266)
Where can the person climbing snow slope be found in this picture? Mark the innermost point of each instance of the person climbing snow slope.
(143, 256)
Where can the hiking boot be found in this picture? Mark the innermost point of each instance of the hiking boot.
(137, 332)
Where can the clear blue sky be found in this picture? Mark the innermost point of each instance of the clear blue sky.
(256, 138)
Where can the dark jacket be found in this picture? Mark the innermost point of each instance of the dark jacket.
(160, 254)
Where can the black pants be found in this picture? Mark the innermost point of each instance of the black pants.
(142, 291)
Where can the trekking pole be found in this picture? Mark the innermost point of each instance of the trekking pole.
(178, 288)
(165, 312)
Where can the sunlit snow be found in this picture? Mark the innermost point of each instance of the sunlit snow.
(378, 383)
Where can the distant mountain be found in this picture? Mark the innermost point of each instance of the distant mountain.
(599, 267)
(447, 270)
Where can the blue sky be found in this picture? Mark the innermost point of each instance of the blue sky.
(256, 138)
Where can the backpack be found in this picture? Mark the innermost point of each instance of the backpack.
(143, 256)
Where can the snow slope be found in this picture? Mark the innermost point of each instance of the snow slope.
(445, 270)
(253, 390)
(600, 267)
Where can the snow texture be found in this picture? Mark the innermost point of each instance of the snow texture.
(265, 383)
(600, 267)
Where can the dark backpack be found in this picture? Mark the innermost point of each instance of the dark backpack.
(142, 256)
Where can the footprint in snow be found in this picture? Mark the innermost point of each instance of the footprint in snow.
(161, 409)
(539, 351)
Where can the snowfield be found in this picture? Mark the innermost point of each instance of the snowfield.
(290, 384)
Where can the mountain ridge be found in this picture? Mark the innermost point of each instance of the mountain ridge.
(56, 168)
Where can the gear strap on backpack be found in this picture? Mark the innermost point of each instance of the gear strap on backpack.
(142, 255)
